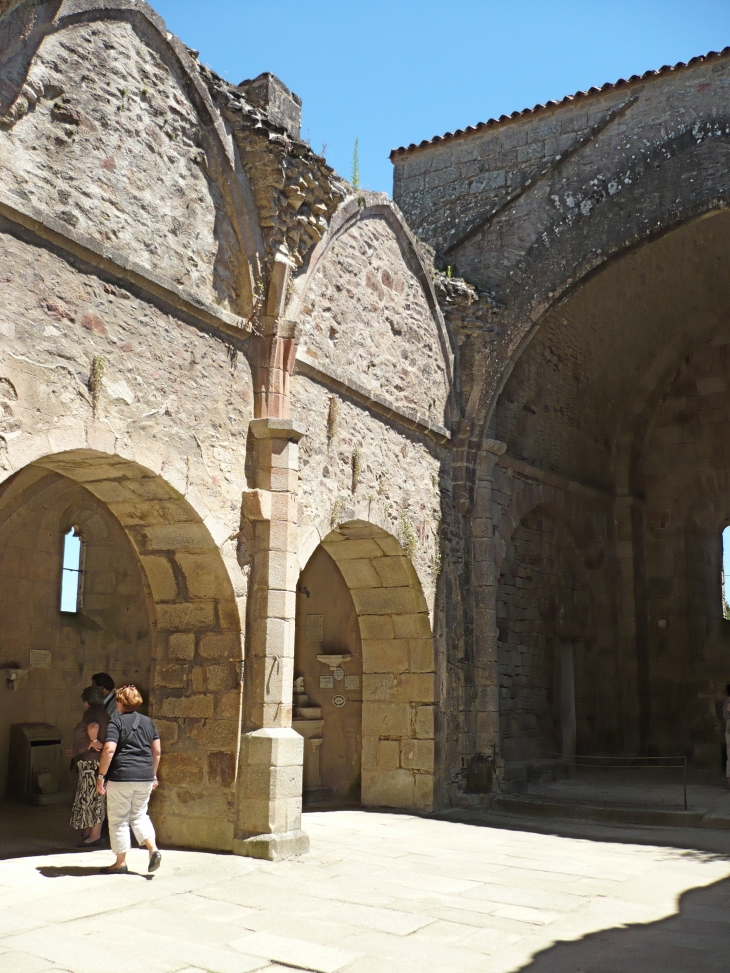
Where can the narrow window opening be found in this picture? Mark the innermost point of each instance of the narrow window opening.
(725, 572)
(72, 572)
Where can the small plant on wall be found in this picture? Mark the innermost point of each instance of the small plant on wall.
(356, 464)
(98, 371)
(437, 556)
(408, 537)
(332, 416)
(339, 511)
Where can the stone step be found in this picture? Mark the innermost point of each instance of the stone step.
(615, 815)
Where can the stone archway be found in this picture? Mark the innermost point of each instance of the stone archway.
(192, 618)
(399, 679)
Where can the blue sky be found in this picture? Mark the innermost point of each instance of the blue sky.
(391, 73)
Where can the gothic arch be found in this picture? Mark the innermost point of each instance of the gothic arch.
(358, 210)
(34, 22)
(571, 249)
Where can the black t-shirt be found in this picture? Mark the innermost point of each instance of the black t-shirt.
(132, 759)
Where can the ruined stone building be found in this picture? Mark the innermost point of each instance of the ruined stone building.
(376, 501)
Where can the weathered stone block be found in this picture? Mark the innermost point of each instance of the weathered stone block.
(186, 616)
(360, 573)
(385, 655)
(411, 626)
(377, 627)
(417, 754)
(354, 549)
(216, 734)
(386, 719)
(221, 677)
(220, 645)
(385, 601)
(388, 788)
(275, 746)
(200, 706)
(221, 768)
(181, 768)
(205, 575)
(424, 792)
(181, 645)
(171, 676)
(425, 722)
(395, 571)
(421, 655)
(177, 537)
(198, 679)
(168, 730)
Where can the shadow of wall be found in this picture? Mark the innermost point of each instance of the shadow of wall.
(695, 940)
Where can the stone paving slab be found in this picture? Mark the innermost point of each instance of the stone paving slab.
(379, 892)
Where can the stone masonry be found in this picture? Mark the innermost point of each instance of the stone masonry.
(503, 424)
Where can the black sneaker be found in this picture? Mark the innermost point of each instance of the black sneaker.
(155, 861)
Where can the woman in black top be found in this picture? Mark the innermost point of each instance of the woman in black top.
(128, 775)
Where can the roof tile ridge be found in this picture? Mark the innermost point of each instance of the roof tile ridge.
(553, 103)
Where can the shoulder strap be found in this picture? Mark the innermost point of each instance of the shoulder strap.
(128, 734)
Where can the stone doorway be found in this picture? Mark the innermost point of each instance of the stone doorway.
(361, 610)
(328, 671)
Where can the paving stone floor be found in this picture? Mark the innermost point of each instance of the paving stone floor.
(379, 892)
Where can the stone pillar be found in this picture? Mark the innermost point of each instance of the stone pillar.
(630, 675)
(484, 593)
(269, 803)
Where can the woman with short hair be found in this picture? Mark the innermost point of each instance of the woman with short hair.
(128, 775)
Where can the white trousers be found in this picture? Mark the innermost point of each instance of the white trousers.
(126, 803)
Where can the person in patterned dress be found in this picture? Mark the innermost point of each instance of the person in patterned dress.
(89, 807)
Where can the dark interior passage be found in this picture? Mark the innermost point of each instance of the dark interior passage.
(621, 403)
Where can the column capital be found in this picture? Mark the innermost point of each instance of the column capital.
(277, 429)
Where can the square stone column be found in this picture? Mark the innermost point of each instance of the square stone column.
(269, 801)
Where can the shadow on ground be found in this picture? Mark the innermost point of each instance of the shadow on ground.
(26, 830)
(80, 871)
(706, 843)
(695, 940)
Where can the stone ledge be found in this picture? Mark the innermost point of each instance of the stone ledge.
(273, 428)
(331, 379)
(121, 267)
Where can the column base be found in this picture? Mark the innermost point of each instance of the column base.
(273, 847)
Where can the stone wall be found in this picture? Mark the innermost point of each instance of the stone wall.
(366, 315)
(153, 393)
(106, 141)
(543, 599)
(155, 371)
(170, 469)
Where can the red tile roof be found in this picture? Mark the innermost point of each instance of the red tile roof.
(564, 101)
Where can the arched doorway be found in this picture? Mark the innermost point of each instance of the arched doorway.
(328, 671)
(359, 596)
(157, 608)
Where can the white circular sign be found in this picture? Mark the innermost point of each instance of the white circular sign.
(339, 700)
(338, 673)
